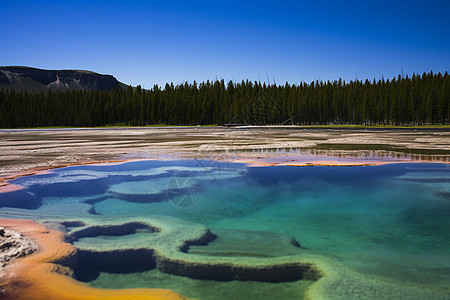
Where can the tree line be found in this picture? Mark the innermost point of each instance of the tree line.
(416, 100)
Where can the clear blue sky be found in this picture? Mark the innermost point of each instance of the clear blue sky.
(148, 42)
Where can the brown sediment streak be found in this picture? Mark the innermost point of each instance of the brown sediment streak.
(38, 277)
(36, 171)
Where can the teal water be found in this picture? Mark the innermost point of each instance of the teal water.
(391, 221)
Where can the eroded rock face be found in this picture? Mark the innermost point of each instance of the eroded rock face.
(14, 245)
(37, 80)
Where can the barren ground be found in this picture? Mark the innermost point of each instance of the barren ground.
(25, 150)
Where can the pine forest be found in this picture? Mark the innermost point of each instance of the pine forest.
(402, 101)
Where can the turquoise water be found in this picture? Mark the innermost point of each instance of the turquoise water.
(390, 221)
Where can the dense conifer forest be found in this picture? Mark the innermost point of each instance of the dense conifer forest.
(416, 100)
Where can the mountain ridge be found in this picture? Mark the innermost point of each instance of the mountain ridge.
(34, 80)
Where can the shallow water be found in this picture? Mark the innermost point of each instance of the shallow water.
(390, 221)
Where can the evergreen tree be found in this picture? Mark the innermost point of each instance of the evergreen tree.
(417, 100)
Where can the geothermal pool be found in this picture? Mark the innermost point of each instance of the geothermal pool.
(218, 230)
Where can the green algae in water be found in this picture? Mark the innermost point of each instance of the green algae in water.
(204, 289)
(389, 221)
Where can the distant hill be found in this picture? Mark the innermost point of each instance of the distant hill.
(36, 80)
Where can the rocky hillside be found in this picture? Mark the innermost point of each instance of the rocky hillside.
(37, 80)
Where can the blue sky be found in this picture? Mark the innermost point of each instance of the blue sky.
(154, 42)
